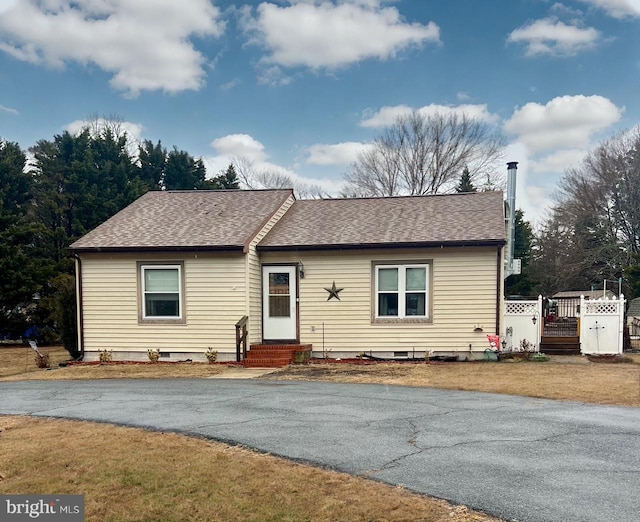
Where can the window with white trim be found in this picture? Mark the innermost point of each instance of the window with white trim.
(402, 291)
(161, 291)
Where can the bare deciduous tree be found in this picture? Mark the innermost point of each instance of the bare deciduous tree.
(255, 178)
(422, 154)
(596, 220)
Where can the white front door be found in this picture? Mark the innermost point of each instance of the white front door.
(279, 313)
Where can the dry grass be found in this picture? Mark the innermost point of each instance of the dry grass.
(578, 379)
(568, 378)
(15, 360)
(172, 477)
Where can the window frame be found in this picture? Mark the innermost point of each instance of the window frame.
(143, 318)
(402, 291)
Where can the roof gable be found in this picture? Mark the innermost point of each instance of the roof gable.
(474, 218)
(197, 220)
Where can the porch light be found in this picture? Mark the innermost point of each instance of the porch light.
(301, 269)
(534, 319)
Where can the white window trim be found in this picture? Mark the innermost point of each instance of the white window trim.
(402, 291)
(146, 317)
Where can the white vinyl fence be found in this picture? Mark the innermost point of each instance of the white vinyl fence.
(522, 323)
(601, 325)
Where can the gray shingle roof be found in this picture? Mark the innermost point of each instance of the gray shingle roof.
(207, 219)
(634, 307)
(588, 294)
(476, 218)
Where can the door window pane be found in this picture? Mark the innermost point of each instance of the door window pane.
(279, 306)
(279, 283)
(279, 295)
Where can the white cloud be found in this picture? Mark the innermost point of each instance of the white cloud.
(5, 5)
(240, 145)
(329, 34)
(9, 110)
(558, 161)
(335, 154)
(143, 43)
(617, 8)
(234, 146)
(231, 84)
(387, 115)
(564, 122)
(133, 130)
(550, 36)
(533, 191)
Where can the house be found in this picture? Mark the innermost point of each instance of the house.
(396, 277)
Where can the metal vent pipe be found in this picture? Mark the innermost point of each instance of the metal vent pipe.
(512, 168)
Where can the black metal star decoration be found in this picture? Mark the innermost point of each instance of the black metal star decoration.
(333, 292)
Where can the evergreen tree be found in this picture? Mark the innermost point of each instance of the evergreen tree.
(227, 179)
(22, 273)
(80, 181)
(523, 283)
(465, 184)
(151, 163)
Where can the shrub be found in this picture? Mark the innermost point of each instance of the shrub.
(211, 355)
(154, 355)
(42, 360)
(106, 356)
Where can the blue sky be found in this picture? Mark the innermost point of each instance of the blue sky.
(301, 86)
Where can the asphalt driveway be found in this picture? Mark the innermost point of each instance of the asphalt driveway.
(513, 457)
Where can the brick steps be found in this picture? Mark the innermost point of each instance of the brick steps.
(276, 355)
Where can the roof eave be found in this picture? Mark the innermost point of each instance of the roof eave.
(156, 249)
(385, 246)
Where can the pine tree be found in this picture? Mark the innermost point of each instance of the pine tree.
(465, 184)
(227, 179)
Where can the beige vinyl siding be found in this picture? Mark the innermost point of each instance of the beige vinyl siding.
(214, 293)
(254, 276)
(464, 289)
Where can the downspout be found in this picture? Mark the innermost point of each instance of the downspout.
(79, 304)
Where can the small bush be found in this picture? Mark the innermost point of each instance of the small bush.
(154, 355)
(211, 355)
(42, 360)
(539, 357)
(106, 356)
